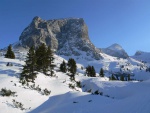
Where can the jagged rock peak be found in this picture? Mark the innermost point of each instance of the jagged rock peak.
(115, 50)
(68, 36)
(36, 18)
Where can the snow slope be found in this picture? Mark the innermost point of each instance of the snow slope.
(113, 65)
(116, 96)
(137, 101)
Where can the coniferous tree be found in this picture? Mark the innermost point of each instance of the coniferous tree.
(72, 67)
(112, 77)
(45, 60)
(129, 77)
(90, 71)
(122, 78)
(29, 69)
(63, 67)
(101, 72)
(50, 64)
(41, 59)
(93, 72)
(50, 55)
(10, 53)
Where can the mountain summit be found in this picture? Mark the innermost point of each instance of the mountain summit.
(115, 50)
(67, 36)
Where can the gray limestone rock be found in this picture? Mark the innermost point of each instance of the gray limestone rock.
(67, 36)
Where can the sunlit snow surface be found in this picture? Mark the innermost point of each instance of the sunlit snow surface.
(117, 97)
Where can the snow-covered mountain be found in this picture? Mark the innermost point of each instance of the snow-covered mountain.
(115, 50)
(142, 56)
(67, 37)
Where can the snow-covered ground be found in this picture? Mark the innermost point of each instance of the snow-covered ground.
(114, 97)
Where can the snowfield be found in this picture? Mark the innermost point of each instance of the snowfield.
(114, 96)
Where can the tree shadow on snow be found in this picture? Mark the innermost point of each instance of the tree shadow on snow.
(9, 72)
(14, 64)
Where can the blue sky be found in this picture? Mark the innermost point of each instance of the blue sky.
(126, 22)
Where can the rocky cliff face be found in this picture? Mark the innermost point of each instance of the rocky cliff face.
(115, 50)
(67, 36)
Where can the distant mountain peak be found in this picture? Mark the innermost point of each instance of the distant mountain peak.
(139, 53)
(142, 56)
(115, 50)
(115, 47)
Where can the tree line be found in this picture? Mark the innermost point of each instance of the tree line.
(41, 60)
(71, 67)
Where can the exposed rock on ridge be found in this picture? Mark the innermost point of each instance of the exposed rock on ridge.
(67, 36)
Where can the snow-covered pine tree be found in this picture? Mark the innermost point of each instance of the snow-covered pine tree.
(10, 53)
(29, 69)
